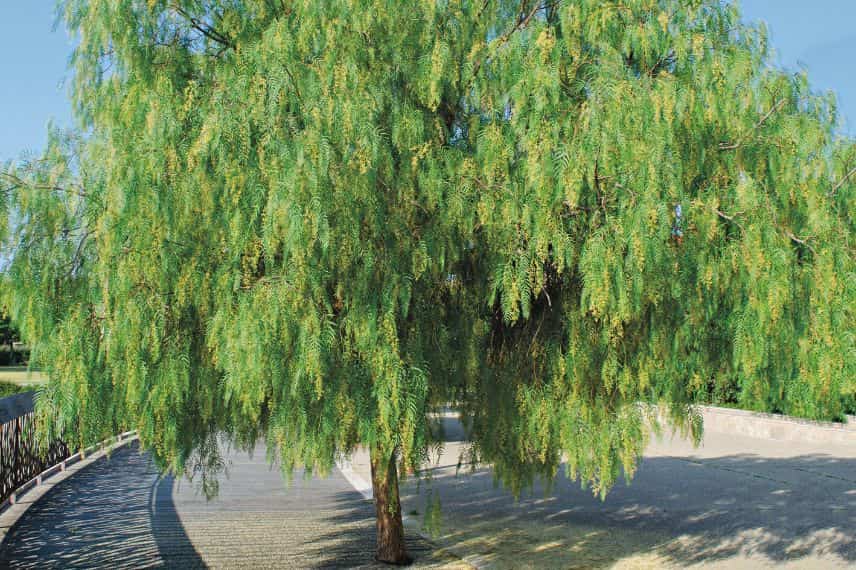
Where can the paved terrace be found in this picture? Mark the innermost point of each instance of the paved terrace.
(735, 502)
(755, 494)
(118, 513)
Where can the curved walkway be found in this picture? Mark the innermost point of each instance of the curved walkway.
(737, 501)
(118, 513)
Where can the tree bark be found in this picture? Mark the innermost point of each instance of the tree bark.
(390, 530)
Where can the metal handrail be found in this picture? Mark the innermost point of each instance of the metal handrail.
(23, 466)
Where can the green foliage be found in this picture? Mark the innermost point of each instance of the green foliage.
(319, 221)
(8, 337)
(10, 389)
(432, 520)
(8, 332)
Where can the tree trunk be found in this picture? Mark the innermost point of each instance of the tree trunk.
(390, 530)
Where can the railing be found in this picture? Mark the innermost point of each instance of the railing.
(21, 460)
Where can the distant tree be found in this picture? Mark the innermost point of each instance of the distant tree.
(318, 222)
(8, 335)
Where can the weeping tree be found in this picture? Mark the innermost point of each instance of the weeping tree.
(319, 222)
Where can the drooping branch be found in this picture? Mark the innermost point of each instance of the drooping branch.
(19, 183)
(742, 139)
(661, 63)
(208, 31)
(482, 9)
(842, 181)
(77, 260)
(731, 218)
(504, 38)
(293, 83)
(800, 241)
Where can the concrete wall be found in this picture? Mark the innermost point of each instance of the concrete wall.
(780, 428)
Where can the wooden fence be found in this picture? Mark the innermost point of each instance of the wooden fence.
(20, 457)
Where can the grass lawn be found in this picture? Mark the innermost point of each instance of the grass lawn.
(21, 376)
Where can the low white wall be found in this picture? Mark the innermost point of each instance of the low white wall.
(776, 427)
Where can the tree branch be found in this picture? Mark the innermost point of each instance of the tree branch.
(730, 218)
(203, 28)
(294, 83)
(842, 181)
(503, 39)
(800, 241)
(742, 139)
(482, 9)
(77, 260)
(19, 183)
(663, 61)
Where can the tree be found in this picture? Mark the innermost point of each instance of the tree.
(9, 336)
(318, 222)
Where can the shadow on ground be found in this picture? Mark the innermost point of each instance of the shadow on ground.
(678, 511)
(116, 512)
(258, 521)
(119, 513)
(350, 535)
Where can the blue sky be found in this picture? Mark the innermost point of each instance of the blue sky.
(819, 35)
(32, 68)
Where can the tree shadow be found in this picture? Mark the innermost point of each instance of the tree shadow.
(677, 511)
(313, 522)
(120, 513)
(115, 513)
(349, 540)
(175, 549)
(680, 511)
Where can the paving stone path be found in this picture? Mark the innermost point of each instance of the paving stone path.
(735, 502)
(118, 513)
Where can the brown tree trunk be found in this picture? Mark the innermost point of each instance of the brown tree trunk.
(390, 530)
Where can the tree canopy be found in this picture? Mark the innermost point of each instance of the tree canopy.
(318, 222)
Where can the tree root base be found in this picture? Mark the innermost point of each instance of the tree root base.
(405, 561)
